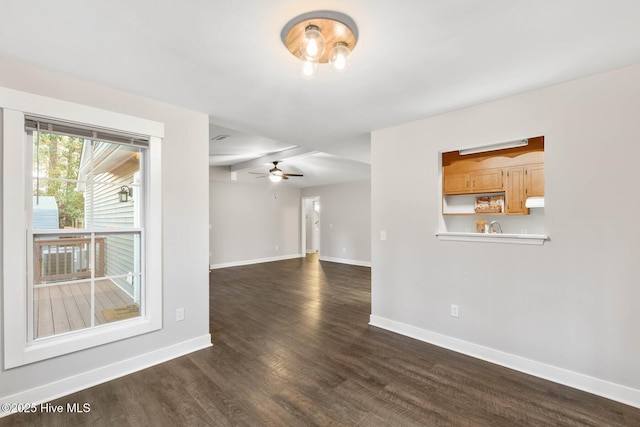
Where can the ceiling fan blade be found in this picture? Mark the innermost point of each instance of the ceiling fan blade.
(292, 174)
(285, 177)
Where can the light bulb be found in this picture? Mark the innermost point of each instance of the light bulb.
(312, 45)
(339, 56)
(309, 69)
(312, 48)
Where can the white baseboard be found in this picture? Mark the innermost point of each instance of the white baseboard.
(620, 393)
(84, 380)
(253, 261)
(345, 261)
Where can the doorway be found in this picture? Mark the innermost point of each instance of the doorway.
(310, 230)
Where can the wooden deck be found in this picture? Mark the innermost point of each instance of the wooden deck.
(66, 308)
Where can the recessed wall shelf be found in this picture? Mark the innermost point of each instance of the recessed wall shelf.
(517, 239)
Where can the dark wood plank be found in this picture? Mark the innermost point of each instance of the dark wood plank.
(292, 347)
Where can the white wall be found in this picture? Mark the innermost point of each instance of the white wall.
(345, 221)
(567, 310)
(185, 217)
(252, 222)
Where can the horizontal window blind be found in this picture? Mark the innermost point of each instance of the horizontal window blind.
(83, 131)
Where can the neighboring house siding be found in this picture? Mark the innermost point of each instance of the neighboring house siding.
(109, 212)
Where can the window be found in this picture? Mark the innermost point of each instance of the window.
(86, 229)
(84, 224)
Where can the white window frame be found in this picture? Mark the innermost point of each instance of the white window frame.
(16, 203)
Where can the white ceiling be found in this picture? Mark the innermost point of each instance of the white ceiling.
(413, 59)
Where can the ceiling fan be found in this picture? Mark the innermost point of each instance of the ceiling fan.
(275, 174)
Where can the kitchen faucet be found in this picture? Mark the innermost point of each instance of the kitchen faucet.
(497, 224)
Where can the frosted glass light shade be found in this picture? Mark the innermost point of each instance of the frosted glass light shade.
(312, 45)
(275, 176)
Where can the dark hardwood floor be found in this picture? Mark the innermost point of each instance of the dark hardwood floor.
(292, 347)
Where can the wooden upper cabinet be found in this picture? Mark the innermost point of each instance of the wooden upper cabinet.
(534, 180)
(517, 173)
(456, 183)
(515, 192)
(477, 181)
(487, 180)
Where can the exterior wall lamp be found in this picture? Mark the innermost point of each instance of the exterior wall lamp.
(124, 193)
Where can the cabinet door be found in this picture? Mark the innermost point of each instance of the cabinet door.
(534, 180)
(456, 183)
(515, 191)
(488, 180)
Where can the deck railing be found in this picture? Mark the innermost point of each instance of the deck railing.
(66, 258)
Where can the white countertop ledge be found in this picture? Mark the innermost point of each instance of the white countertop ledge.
(516, 239)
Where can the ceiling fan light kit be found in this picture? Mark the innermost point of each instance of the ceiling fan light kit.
(275, 174)
(320, 37)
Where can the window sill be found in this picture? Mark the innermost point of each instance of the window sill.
(516, 239)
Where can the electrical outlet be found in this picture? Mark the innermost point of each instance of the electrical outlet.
(455, 311)
(179, 314)
(383, 235)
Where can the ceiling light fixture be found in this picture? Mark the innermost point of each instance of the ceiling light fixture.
(275, 175)
(320, 37)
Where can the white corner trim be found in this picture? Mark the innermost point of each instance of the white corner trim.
(345, 261)
(518, 239)
(253, 261)
(609, 390)
(103, 374)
